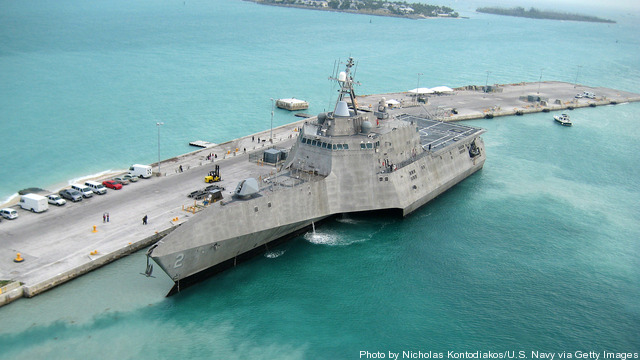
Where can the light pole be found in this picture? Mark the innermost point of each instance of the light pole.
(158, 124)
(418, 87)
(540, 80)
(486, 83)
(577, 72)
(271, 132)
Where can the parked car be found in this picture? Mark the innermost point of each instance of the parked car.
(55, 199)
(84, 190)
(71, 194)
(112, 184)
(121, 181)
(131, 178)
(96, 187)
(9, 213)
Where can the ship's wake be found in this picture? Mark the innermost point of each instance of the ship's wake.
(323, 238)
(349, 231)
(274, 254)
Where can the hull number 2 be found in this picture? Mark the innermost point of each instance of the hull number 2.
(179, 259)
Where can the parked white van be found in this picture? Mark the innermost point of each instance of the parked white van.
(9, 213)
(143, 171)
(83, 189)
(96, 187)
(34, 202)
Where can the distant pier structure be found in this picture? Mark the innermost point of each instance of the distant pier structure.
(202, 144)
(477, 102)
(292, 104)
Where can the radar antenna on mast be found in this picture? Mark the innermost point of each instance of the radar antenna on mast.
(355, 70)
(345, 80)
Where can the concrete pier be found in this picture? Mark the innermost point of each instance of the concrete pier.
(511, 99)
(60, 244)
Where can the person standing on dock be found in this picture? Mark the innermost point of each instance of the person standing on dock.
(104, 217)
(144, 220)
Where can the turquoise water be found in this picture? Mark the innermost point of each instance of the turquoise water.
(538, 251)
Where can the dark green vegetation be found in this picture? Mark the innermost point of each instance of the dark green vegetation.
(534, 13)
(397, 8)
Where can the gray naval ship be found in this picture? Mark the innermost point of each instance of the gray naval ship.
(344, 161)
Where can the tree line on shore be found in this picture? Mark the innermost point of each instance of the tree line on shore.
(534, 13)
(399, 8)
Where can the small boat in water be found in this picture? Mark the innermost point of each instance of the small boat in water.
(563, 119)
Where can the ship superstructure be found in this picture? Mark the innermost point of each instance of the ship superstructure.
(347, 160)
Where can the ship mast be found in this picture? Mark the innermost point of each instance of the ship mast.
(346, 85)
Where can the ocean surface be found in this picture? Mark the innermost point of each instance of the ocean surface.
(539, 251)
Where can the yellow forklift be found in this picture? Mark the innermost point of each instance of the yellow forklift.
(214, 176)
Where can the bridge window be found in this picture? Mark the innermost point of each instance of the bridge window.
(339, 146)
(369, 146)
(346, 146)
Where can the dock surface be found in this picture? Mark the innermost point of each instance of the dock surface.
(60, 244)
(510, 99)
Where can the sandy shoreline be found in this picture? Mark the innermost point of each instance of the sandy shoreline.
(14, 199)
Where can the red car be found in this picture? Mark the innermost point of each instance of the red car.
(111, 184)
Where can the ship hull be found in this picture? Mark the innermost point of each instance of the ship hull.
(198, 277)
(340, 163)
(259, 224)
(189, 266)
(446, 186)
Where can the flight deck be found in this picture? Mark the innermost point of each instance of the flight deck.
(436, 134)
